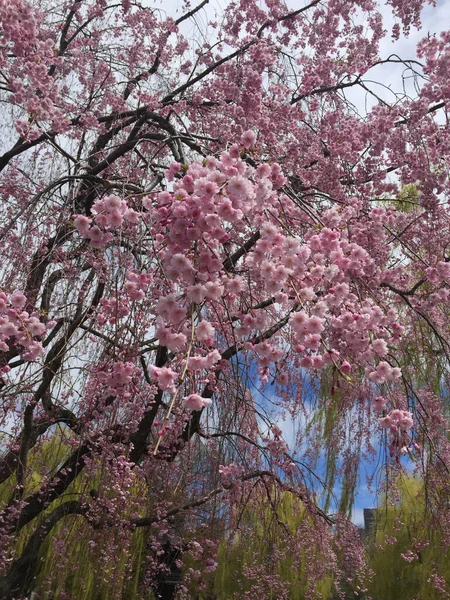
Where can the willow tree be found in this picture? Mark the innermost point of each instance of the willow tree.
(407, 552)
(200, 235)
(275, 534)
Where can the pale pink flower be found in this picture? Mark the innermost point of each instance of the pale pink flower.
(298, 321)
(307, 362)
(395, 373)
(406, 422)
(385, 422)
(147, 202)
(135, 294)
(379, 404)
(112, 202)
(197, 363)
(35, 327)
(33, 350)
(196, 293)
(98, 207)
(214, 290)
(213, 358)
(176, 341)
(204, 331)
(380, 347)
(181, 263)
(312, 341)
(234, 151)
(165, 197)
(314, 325)
(318, 362)
(131, 216)
(396, 415)
(263, 170)
(102, 220)
(240, 187)
(115, 218)
(164, 376)
(226, 211)
(195, 402)
(8, 330)
(95, 234)
(205, 187)
(248, 139)
(167, 306)
(346, 367)
(17, 299)
(82, 223)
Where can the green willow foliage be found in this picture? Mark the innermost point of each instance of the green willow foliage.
(405, 550)
(85, 573)
(269, 539)
(266, 538)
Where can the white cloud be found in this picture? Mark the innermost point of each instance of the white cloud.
(358, 516)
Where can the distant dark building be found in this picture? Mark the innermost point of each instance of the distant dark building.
(369, 520)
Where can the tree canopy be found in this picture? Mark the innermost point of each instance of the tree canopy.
(217, 220)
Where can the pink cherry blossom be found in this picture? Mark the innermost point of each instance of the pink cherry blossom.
(195, 402)
(18, 299)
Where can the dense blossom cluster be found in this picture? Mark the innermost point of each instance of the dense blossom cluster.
(229, 474)
(334, 327)
(109, 213)
(19, 328)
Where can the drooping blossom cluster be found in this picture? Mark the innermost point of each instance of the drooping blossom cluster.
(331, 328)
(398, 423)
(19, 328)
(108, 214)
(30, 75)
(276, 445)
(229, 474)
(117, 378)
(195, 402)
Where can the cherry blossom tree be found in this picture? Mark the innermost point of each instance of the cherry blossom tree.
(203, 238)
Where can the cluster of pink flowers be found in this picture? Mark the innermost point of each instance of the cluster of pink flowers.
(117, 378)
(333, 325)
(206, 554)
(112, 310)
(19, 327)
(31, 54)
(165, 378)
(384, 372)
(398, 423)
(169, 337)
(229, 474)
(195, 402)
(198, 363)
(205, 208)
(171, 310)
(136, 285)
(276, 445)
(109, 213)
(409, 556)
(397, 420)
(118, 306)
